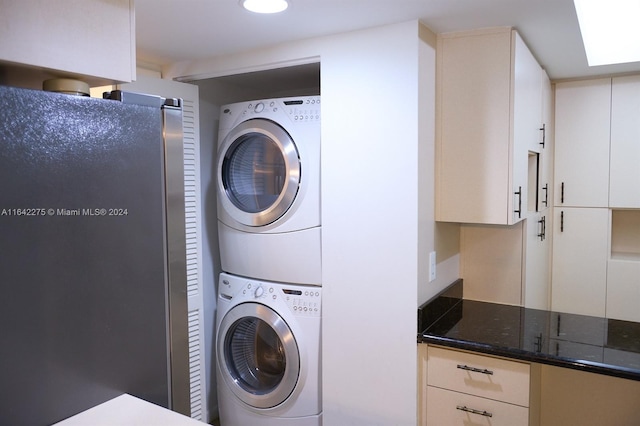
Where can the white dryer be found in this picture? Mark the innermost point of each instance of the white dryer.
(268, 189)
(268, 353)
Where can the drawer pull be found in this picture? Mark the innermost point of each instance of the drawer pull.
(472, 411)
(475, 370)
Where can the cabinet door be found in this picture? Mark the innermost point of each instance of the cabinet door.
(624, 183)
(473, 127)
(537, 266)
(94, 39)
(579, 272)
(527, 111)
(545, 183)
(582, 143)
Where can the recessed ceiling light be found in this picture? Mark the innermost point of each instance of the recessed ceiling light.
(265, 6)
(610, 30)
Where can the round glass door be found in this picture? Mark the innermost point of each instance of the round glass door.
(258, 355)
(259, 172)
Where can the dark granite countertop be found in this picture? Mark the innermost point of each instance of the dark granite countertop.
(592, 344)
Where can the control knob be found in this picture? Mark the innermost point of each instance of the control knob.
(259, 292)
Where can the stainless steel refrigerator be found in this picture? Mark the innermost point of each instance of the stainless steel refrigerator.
(92, 254)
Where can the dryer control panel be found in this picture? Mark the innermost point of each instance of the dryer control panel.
(304, 109)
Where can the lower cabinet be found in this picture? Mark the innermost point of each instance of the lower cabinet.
(571, 397)
(466, 388)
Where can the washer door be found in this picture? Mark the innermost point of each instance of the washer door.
(258, 172)
(258, 355)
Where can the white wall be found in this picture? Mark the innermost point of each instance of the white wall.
(377, 89)
(370, 220)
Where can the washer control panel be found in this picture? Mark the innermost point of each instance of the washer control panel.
(301, 300)
(304, 302)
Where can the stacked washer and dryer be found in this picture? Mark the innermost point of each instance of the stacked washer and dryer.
(269, 295)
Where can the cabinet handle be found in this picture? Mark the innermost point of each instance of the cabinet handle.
(562, 221)
(543, 129)
(538, 343)
(474, 369)
(545, 188)
(472, 411)
(543, 228)
(562, 193)
(519, 194)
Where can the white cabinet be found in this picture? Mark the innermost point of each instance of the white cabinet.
(624, 182)
(582, 128)
(537, 265)
(573, 397)
(488, 119)
(579, 276)
(547, 143)
(93, 40)
(468, 388)
(597, 186)
(537, 269)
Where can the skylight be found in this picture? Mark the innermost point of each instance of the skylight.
(265, 6)
(610, 30)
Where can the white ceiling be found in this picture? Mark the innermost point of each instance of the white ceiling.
(179, 30)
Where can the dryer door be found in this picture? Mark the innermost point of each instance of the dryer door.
(258, 172)
(258, 355)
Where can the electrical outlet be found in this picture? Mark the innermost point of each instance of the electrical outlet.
(432, 266)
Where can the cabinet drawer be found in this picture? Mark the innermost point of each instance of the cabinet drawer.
(453, 408)
(479, 375)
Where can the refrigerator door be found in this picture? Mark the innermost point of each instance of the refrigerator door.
(83, 270)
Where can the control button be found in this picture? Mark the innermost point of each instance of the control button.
(259, 291)
(259, 107)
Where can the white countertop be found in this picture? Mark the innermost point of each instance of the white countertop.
(127, 410)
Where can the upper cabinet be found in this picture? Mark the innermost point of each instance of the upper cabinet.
(624, 181)
(93, 40)
(583, 118)
(489, 121)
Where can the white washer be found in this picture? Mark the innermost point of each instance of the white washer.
(268, 189)
(268, 353)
